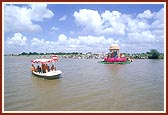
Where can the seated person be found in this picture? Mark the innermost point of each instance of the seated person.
(53, 67)
(38, 69)
(33, 68)
(48, 68)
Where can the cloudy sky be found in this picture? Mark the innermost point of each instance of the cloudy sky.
(136, 28)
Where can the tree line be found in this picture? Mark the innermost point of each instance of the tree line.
(152, 54)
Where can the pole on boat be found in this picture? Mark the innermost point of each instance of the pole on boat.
(55, 58)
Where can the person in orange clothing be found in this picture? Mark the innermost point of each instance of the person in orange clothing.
(33, 68)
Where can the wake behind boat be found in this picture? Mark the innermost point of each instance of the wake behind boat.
(45, 68)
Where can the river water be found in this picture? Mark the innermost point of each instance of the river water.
(85, 85)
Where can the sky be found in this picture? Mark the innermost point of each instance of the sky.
(41, 27)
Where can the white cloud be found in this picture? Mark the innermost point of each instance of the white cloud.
(99, 30)
(90, 20)
(91, 39)
(146, 14)
(105, 23)
(41, 45)
(22, 18)
(84, 43)
(160, 14)
(158, 23)
(81, 43)
(62, 39)
(37, 42)
(141, 37)
(54, 28)
(112, 22)
(63, 18)
(39, 11)
(136, 25)
(110, 41)
(73, 41)
(17, 40)
(139, 28)
(50, 43)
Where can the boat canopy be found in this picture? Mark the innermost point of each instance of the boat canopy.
(43, 60)
(54, 59)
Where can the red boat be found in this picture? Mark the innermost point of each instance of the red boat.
(114, 55)
(121, 59)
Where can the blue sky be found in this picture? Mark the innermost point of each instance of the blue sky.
(136, 28)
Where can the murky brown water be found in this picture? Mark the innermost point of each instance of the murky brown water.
(85, 86)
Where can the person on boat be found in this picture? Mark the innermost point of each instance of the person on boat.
(38, 69)
(121, 55)
(43, 67)
(53, 67)
(33, 68)
(47, 68)
(108, 56)
(112, 55)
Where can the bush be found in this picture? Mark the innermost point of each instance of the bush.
(154, 54)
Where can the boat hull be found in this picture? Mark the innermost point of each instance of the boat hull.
(115, 59)
(104, 62)
(49, 75)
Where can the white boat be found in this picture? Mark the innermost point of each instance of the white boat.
(52, 74)
(49, 75)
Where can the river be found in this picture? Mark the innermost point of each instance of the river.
(85, 85)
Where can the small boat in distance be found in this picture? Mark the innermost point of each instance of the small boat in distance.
(43, 69)
(114, 57)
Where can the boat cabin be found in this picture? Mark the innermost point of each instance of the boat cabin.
(114, 50)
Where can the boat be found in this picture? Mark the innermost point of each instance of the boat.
(114, 57)
(52, 73)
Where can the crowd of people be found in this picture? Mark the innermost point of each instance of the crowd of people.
(43, 69)
(115, 55)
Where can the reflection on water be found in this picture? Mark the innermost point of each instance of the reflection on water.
(85, 86)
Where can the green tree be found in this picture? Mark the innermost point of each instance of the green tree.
(34, 53)
(41, 53)
(154, 54)
(30, 53)
(23, 53)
